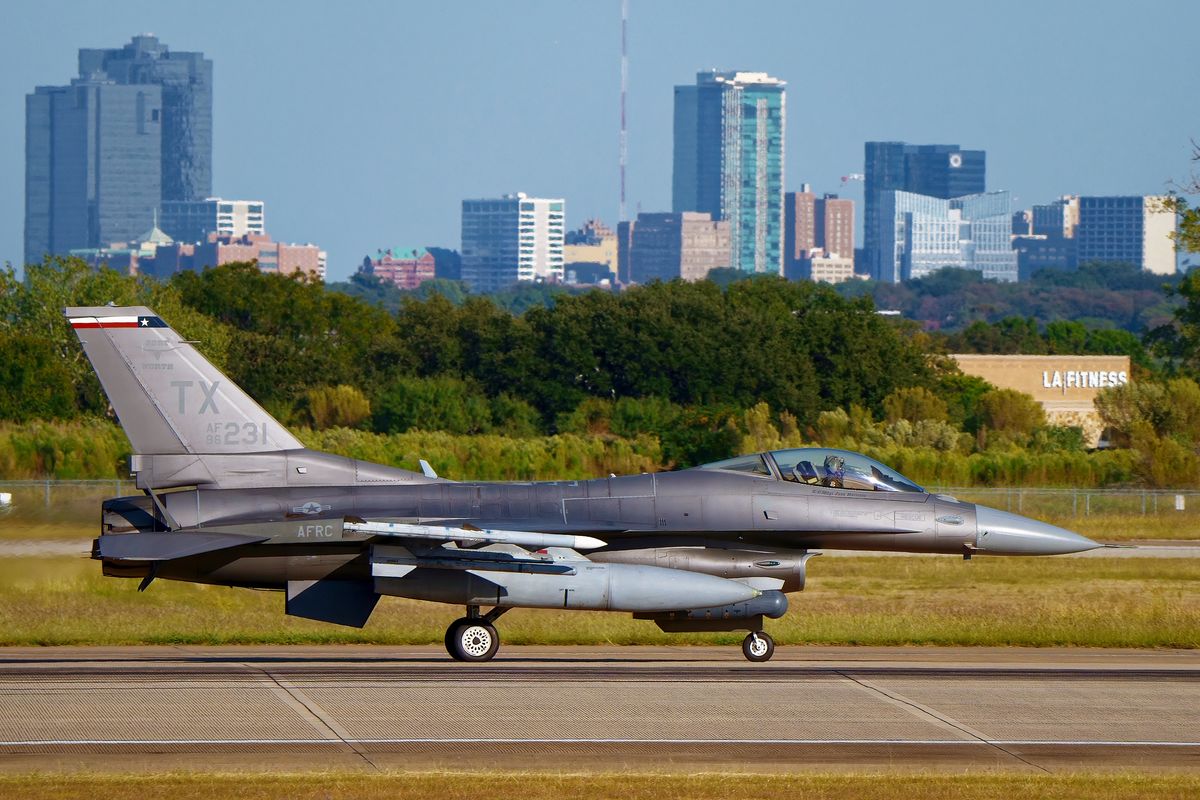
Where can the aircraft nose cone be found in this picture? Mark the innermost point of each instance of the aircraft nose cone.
(1003, 533)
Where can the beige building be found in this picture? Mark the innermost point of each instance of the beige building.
(593, 243)
(662, 246)
(1066, 386)
(831, 268)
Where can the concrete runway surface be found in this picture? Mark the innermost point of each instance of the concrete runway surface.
(598, 708)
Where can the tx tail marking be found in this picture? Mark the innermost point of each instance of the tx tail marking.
(208, 391)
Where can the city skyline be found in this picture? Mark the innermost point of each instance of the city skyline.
(451, 109)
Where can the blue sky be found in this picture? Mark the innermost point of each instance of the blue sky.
(364, 124)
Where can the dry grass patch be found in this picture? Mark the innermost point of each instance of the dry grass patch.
(553, 786)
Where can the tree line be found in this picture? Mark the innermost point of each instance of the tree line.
(695, 371)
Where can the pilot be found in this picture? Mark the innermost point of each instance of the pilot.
(835, 471)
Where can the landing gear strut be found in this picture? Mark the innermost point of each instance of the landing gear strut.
(758, 646)
(473, 637)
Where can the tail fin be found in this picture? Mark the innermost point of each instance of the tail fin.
(169, 399)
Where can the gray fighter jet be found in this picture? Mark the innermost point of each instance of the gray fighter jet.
(232, 498)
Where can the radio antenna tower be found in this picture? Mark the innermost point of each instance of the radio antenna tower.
(624, 147)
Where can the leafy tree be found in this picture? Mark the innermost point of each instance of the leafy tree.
(914, 403)
(35, 382)
(336, 407)
(431, 404)
(1011, 414)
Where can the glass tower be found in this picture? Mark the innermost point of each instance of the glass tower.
(942, 171)
(728, 161)
(134, 129)
(922, 234)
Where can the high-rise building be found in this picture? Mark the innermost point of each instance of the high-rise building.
(834, 224)
(134, 129)
(1133, 230)
(663, 246)
(194, 220)
(510, 239)
(816, 227)
(940, 171)
(922, 234)
(799, 226)
(728, 161)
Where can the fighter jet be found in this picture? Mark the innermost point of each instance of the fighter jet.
(230, 497)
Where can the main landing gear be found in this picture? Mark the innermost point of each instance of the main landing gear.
(474, 638)
(758, 646)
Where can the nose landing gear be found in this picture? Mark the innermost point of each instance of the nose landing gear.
(758, 646)
(473, 637)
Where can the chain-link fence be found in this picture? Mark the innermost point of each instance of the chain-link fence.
(1079, 502)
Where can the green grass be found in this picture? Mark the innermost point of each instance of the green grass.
(861, 601)
(552, 786)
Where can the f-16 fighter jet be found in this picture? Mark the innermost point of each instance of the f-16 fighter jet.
(231, 498)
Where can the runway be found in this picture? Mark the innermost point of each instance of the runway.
(587, 708)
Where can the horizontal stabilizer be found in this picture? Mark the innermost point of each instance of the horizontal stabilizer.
(168, 546)
(441, 533)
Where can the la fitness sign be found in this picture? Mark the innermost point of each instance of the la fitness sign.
(1082, 379)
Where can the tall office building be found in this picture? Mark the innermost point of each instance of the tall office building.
(940, 171)
(510, 239)
(194, 220)
(1133, 230)
(134, 129)
(922, 234)
(820, 227)
(728, 161)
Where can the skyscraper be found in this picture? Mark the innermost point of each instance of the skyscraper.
(134, 129)
(1133, 230)
(815, 227)
(941, 171)
(510, 239)
(728, 161)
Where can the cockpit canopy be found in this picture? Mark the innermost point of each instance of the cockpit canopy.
(820, 466)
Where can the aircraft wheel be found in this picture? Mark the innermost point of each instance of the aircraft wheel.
(472, 640)
(758, 646)
(451, 632)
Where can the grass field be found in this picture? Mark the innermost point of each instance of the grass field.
(1133, 602)
(552, 786)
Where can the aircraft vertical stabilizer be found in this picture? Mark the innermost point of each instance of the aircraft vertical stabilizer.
(169, 399)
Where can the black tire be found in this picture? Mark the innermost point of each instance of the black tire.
(758, 646)
(451, 632)
(472, 640)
